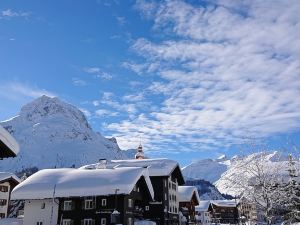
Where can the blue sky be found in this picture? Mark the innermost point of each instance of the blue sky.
(193, 79)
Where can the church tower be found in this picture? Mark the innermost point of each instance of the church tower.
(140, 153)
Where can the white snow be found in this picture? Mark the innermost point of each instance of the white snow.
(207, 169)
(6, 175)
(11, 221)
(224, 203)
(157, 167)
(144, 222)
(185, 193)
(9, 141)
(53, 133)
(203, 206)
(69, 182)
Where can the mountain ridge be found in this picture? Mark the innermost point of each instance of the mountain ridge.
(53, 133)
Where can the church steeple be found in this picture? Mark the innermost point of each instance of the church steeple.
(140, 153)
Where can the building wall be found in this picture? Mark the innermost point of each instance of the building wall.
(5, 196)
(204, 218)
(40, 211)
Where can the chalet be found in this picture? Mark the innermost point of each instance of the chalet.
(7, 182)
(224, 211)
(85, 197)
(8, 145)
(165, 176)
(188, 198)
(247, 211)
(203, 213)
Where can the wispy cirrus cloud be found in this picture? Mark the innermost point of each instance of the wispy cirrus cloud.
(18, 90)
(98, 72)
(228, 71)
(9, 13)
(78, 82)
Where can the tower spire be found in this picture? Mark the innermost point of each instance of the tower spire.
(140, 152)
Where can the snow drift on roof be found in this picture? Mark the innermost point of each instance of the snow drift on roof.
(224, 203)
(5, 176)
(69, 182)
(185, 193)
(9, 141)
(203, 206)
(157, 167)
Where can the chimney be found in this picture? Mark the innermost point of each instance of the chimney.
(101, 164)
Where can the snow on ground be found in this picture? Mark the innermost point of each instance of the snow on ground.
(11, 221)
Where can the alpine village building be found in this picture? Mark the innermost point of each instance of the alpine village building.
(85, 197)
(108, 192)
(188, 198)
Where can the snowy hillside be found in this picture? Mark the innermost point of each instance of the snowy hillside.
(206, 169)
(52, 133)
(225, 174)
(271, 162)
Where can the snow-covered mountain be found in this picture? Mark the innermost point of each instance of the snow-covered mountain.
(52, 133)
(226, 173)
(206, 169)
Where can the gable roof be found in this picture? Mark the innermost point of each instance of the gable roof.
(185, 193)
(4, 176)
(157, 167)
(8, 145)
(70, 182)
(224, 203)
(203, 206)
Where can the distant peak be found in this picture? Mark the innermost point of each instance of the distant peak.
(46, 106)
(221, 158)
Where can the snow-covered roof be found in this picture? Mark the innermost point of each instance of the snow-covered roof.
(70, 182)
(224, 203)
(11, 221)
(203, 206)
(185, 193)
(157, 167)
(9, 141)
(6, 175)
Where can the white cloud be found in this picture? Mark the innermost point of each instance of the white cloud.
(229, 71)
(17, 90)
(97, 72)
(9, 13)
(86, 112)
(104, 112)
(78, 82)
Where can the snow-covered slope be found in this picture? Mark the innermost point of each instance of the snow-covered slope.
(244, 168)
(207, 169)
(226, 174)
(52, 133)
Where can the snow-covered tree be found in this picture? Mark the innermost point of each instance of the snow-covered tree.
(291, 194)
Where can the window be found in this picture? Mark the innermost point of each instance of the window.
(43, 205)
(165, 182)
(103, 202)
(129, 221)
(67, 222)
(166, 198)
(3, 188)
(147, 207)
(88, 204)
(130, 203)
(68, 205)
(39, 223)
(88, 222)
(2, 215)
(103, 221)
(3, 201)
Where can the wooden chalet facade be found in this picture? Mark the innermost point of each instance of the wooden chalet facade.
(7, 182)
(85, 197)
(224, 211)
(188, 200)
(94, 210)
(165, 176)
